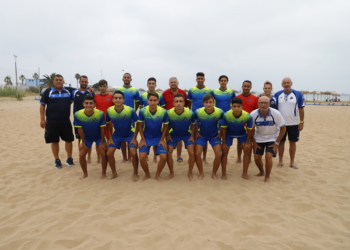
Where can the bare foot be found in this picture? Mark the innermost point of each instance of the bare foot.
(201, 176)
(158, 178)
(214, 176)
(190, 176)
(113, 176)
(83, 177)
(280, 164)
(103, 176)
(239, 161)
(169, 176)
(267, 180)
(146, 177)
(124, 160)
(260, 174)
(89, 160)
(244, 176)
(205, 161)
(135, 177)
(223, 177)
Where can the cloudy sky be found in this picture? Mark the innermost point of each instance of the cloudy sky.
(257, 40)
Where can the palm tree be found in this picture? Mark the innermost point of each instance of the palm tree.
(8, 80)
(35, 76)
(77, 76)
(48, 80)
(22, 78)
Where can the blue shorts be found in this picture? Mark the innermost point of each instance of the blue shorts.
(88, 142)
(176, 139)
(229, 140)
(153, 142)
(264, 145)
(203, 141)
(117, 140)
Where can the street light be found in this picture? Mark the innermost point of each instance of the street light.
(16, 69)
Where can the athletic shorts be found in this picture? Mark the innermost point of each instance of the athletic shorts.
(176, 139)
(88, 142)
(153, 142)
(293, 133)
(203, 141)
(263, 146)
(53, 132)
(119, 139)
(229, 140)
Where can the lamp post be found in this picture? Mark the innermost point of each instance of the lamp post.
(16, 75)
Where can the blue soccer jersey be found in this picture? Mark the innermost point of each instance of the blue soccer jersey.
(131, 95)
(144, 100)
(236, 125)
(153, 122)
(123, 121)
(223, 98)
(196, 95)
(90, 124)
(208, 123)
(180, 124)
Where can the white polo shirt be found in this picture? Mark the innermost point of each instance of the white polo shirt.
(267, 128)
(288, 105)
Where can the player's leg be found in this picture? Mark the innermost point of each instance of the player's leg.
(247, 152)
(144, 164)
(224, 155)
(170, 162)
(200, 143)
(104, 161)
(89, 155)
(154, 154)
(179, 150)
(205, 149)
(293, 137)
(239, 152)
(135, 162)
(66, 134)
(111, 161)
(281, 149)
(258, 159)
(162, 160)
(191, 160)
(82, 158)
(125, 158)
(217, 160)
(268, 161)
(55, 147)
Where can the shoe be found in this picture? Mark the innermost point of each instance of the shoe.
(70, 162)
(58, 164)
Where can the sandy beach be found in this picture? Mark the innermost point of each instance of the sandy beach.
(45, 208)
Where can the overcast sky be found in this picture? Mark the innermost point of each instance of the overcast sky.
(257, 40)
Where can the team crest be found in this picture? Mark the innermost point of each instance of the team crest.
(125, 116)
(250, 100)
(185, 119)
(214, 119)
(158, 118)
(108, 99)
(95, 120)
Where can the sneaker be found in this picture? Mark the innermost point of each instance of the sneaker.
(58, 164)
(70, 162)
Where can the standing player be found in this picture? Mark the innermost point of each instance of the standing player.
(103, 100)
(208, 119)
(233, 125)
(151, 85)
(90, 123)
(78, 97)
(250, 102)
(123, 118)
(169, 104)
(223, 95)
(291, 104)
(132, 99)
(180, 121)
(269, 130)
(153, 127)
(195, 100)
(56, 102)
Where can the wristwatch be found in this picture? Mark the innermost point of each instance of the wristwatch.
(301, 122)
(277, 143)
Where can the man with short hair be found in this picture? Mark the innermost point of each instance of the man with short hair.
(181, 126)
(132, 99)
(291, 104)
(168, 96)
(208, 119)
(123, 118)
(269, 130)
(223, 95)
(250, 103)
(151, 85)
(153, 127)
(91, 124)
(233, 125)
(56, 102)
(195, 100)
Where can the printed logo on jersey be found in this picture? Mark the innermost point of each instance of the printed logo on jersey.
(250, 100)
(108, 99)
(214, 119)
(158, 118)
(185, 119)
(125, 116)
(95, 120)
(227, 94)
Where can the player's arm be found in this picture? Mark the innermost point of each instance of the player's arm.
(103, 130)
(140, 130)
(193, 130)
(301, 118)
(164, 133)
(137, 104)
(82, 138)
(189, 103)
(42, 115)
(278, 140)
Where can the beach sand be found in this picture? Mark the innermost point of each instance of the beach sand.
(45, 208)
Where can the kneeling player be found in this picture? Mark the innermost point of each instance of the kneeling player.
(208, 119)
(90, 123)
(180, 120)
(122, 117)
(153, 126)
(233, 126)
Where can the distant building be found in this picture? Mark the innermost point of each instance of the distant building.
(34, 82)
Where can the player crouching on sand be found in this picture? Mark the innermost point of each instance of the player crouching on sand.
(233, 125)
(90, 123)
(180, 120)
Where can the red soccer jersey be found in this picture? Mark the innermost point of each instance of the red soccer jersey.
(169, 98)
(103, 102)
(250, 102)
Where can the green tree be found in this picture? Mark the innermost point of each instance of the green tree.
(8, 80)
(35, 76)
(22, 78)
(48, 80)
(77, 76)
(95, 86)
